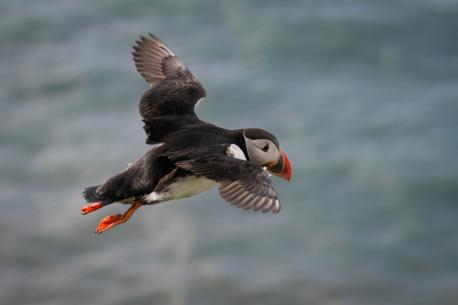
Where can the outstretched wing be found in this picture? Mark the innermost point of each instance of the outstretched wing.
(174, 93)
(243, 184)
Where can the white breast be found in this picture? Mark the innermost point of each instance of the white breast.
(182, 188)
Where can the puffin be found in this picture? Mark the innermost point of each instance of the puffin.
(188, 156)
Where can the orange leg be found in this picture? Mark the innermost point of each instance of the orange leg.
(114, 220)
(91, 207)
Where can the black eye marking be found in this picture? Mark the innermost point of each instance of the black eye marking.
(265, 148)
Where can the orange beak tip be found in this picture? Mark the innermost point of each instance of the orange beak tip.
(283, 168)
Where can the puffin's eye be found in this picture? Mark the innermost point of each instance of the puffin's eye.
(265, 148)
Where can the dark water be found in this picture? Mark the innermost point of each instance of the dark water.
(363, 96)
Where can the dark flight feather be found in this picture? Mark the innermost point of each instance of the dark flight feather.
(174, 89)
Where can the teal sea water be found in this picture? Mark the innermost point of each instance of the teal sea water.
(363, 96)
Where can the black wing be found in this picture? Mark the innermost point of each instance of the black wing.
(169, 103)
(243, 184)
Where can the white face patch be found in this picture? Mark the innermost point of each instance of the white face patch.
(261, 151)
(235, 152)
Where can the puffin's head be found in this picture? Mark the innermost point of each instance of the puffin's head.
(263, 148)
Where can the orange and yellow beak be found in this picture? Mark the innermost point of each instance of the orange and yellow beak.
(282, 168)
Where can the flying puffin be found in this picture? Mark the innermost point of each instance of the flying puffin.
(188, 156)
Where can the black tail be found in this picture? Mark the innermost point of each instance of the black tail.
(90, 194)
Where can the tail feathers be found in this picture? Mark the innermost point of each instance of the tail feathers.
(90, 194)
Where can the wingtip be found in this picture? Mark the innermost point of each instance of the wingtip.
(276, 209)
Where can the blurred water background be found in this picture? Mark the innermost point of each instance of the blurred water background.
(363, 96)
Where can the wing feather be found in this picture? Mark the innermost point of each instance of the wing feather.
(243, 184)
(174, 91)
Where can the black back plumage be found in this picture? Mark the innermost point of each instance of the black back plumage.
(138, 179)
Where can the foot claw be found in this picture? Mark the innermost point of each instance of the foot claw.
(91, 208)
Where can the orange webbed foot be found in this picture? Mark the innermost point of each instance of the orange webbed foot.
(91, 207)
(114, 220)
(109, 222)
